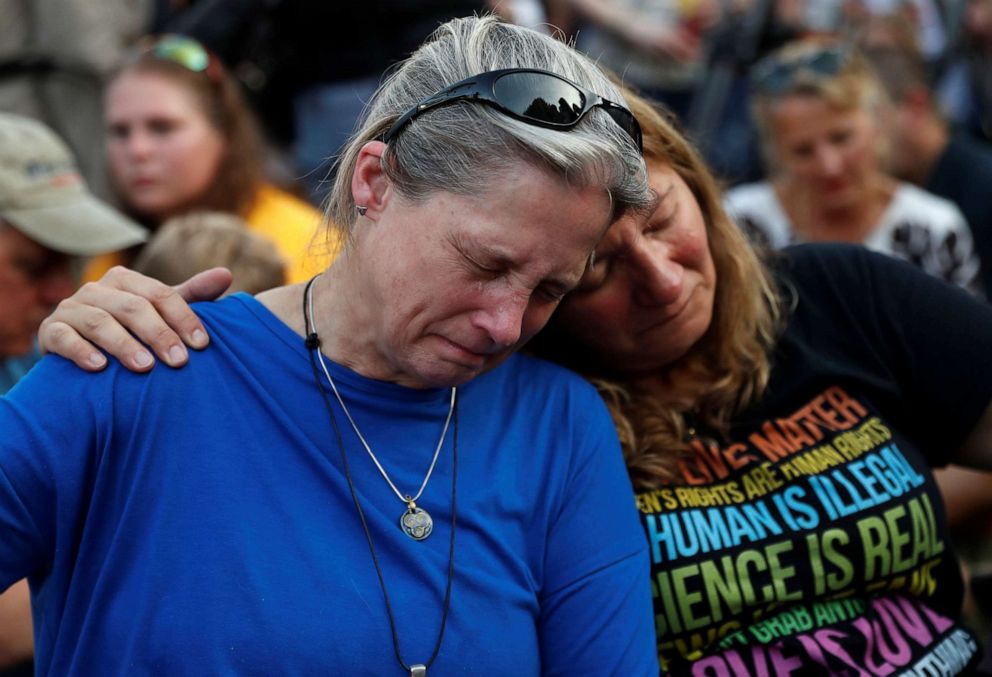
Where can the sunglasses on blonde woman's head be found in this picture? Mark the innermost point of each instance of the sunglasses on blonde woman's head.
(776, 74)
(533, 96)
(184, 51)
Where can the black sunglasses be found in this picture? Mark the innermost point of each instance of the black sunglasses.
(534, 96)
(774, 75)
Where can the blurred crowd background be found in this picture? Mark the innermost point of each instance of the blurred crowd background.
(307, 67)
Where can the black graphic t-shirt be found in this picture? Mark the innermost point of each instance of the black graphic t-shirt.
(813, 541)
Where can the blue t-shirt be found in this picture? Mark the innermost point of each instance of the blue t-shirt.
(198, 521)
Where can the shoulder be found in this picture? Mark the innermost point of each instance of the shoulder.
(749, 196)
(963, 171)
(115, 393)
(856, 280)
(538, 380)
(756, 210)
(911, 202)
(838, 263)
(230, 312)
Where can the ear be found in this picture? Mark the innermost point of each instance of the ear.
(370, 187)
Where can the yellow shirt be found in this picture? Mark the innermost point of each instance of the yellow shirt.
(293, 226)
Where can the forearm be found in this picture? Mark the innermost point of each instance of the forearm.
(16, 641)
(976, 452)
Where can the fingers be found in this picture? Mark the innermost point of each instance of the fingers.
(61, 339)
(155, 312)
(122, 311)
(205, 286)
(102, 316)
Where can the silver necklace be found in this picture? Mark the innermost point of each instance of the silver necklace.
(312, 343)
(415, 522)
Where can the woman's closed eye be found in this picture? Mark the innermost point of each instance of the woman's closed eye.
(597, 273)
(550, 292)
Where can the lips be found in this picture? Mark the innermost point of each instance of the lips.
(834, 186)
(142, 182)
(671, 312)
(467, 353)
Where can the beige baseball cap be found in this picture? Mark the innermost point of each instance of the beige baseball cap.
(43, 195)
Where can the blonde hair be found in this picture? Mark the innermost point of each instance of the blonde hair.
(726, 369)
(197, 241)
(854, 86)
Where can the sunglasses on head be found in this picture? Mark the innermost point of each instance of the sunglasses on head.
(775, 75)
(186, 52)
(528, 94)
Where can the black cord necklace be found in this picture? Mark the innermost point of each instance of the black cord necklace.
(312, 343)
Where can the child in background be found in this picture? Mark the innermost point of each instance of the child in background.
(194, 242)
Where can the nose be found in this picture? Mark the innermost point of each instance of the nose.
(503, 321)
(656, 278)
(829, 161)
(137, 145)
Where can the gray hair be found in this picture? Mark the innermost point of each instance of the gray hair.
(459, 148)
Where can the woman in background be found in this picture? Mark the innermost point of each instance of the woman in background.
(180, 138)
(821, 114)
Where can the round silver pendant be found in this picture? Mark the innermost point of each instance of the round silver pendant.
(416, 523)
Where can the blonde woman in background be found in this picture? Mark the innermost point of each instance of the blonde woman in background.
(821, 115)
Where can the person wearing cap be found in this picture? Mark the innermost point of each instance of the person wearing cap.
(47, 218)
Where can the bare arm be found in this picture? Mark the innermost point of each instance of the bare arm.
(16, 642)
(976, 452)
(967, 486)
(125, 307)
(966, 493)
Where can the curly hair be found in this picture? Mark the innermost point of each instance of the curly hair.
(725, 370)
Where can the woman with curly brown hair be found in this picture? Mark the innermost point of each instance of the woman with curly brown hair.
(780, 422)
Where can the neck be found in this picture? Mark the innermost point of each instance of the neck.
(340, 318)
(347, 330)
(848, 223)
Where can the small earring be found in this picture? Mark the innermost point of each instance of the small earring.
(361, 210)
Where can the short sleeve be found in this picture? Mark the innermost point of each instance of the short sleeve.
(942, 336)
(596, 616)
(49, 431)
(927, 337)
